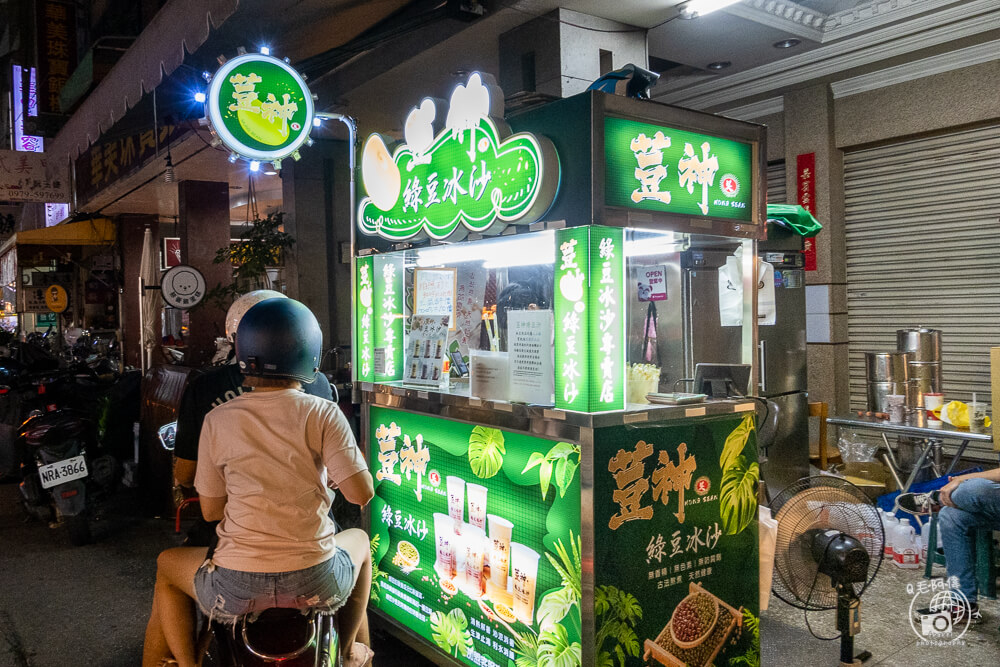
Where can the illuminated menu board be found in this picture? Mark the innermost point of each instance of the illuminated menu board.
(476, 538)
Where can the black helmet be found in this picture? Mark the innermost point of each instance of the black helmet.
(279, 338)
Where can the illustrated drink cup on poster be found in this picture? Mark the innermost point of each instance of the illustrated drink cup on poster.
(525, 573)
(474, 539)
(500, 530)
(444, 537)
(456, 498)
(477, 504)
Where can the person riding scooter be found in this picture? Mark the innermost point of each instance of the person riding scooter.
(266, 459)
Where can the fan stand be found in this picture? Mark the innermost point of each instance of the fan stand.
(848, 623)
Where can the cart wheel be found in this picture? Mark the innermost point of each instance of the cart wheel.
(79, 530)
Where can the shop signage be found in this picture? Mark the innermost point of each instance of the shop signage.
(388, 318)
(652, 284)
(110, 160)
(56, 23)
(365, 299)
(589, 311)
(476, 538)
(657, 168)
(675, 527)
(29, 177)
(805, 176)
(260, 107)
(468, 176)
(25, 106)
(183, 287)
(56, 298)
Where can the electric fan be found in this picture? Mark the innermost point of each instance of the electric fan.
(828, 550)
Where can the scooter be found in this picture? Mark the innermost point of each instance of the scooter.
(285, 636)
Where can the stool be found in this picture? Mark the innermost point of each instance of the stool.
(180, 507)
(986, 564)
(820, 458)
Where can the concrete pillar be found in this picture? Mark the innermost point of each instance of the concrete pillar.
(809, 128)
(316, 201)
(131, 229)
(203, 225)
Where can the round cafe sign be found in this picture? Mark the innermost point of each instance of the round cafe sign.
(260, 107)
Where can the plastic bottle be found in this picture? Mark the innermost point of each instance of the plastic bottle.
(925, 538)
(906, 547)
(891, 526)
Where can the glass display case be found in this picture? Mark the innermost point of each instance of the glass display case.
(555, 337)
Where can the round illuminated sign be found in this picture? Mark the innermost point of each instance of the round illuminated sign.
(56, 298)
(183, 287)
(260, 107)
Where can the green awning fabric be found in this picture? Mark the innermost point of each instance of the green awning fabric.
(795, 218)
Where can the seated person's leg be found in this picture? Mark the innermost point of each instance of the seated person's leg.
(979, 500)
(980, 497)
(174, 597)
(355, 543)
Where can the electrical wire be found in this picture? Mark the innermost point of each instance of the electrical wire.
(805, 612)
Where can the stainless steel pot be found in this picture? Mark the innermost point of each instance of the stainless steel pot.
(925, 344)
(886, 366)
(927, 374)
(877, 392)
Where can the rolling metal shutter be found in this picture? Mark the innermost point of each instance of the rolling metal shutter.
(776, 193)
(922, 227)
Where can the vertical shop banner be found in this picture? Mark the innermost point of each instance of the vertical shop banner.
(805, 176)
(387, 357)
(364, 314)
(606, 319)
(572, 348)
(25, 106)
(476, 538)
(56, 21)
(675, 536)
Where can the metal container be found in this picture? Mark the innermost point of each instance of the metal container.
(925, 344)
(927, 374)
(886, 366)
(877, 392)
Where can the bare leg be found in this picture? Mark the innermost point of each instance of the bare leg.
(154, 646)
(353, 615)
(174, 598)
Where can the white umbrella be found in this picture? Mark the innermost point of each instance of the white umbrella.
(149, 299)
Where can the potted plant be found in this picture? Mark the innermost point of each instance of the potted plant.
(260, 248)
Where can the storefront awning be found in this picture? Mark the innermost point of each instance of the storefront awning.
(98, 231)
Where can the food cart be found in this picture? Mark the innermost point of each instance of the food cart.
(522, 293)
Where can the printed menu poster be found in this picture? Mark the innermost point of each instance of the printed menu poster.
(529, 345)
(425, 350)
(434, 293)
(476, 538)
(675, 536)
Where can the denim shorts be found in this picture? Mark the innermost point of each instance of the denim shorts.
(225, 595)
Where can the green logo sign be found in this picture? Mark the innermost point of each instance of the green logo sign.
(467, 177)
(658, 168)
(590, 310)
(388, 318)
(260, 107)
(365, 285)
(476, 538)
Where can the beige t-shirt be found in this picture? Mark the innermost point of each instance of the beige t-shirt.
(271, 453)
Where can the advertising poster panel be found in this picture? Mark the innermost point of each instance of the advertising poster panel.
(476, 538)
(675, 522)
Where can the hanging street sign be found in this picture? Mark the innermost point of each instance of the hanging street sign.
(260, 108)
(56, 298)
(467, 173)
(183, 287)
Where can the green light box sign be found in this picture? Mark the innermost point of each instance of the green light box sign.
(260, 107)
(469, 176)
(476, 538)
(365, 314)
(388, 318)
(657, 168)
(589, 310)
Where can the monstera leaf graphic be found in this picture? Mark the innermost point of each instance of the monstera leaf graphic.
(469, 177)
(738, 496)
(486, 450)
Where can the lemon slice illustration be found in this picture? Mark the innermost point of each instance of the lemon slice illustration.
(504, 612)
(260, 129)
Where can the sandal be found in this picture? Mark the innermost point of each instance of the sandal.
(362, 650)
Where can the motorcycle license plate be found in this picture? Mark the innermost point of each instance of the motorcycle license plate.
(62, 471)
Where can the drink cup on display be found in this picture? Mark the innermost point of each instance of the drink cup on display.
(933, 401)
(525, 573)
(476, 495)
(474, 542)
(444, 539)
(456, 498)
(500, 531)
